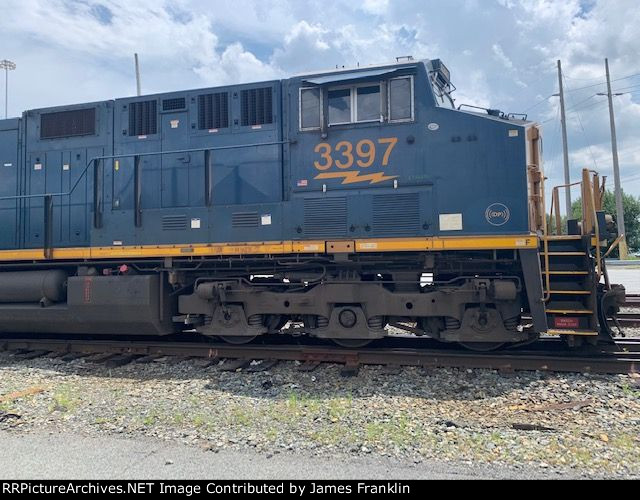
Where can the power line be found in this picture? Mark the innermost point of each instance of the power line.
(628, 88)
(584, 79)
(541, 101)
(590, 106)
(546, 99)
(603, 83)
(582, 102)
(556, 131)
(584, 133)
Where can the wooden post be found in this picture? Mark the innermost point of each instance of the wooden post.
(556, 202)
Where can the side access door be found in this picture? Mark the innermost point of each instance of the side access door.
(9, 174)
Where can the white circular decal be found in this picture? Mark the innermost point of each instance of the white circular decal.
(433, 127)
(498, 214)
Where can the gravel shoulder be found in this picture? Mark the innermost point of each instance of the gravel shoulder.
(574, 425)
(40, 455)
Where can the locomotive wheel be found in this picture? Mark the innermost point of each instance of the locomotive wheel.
(238, 340)
(352, 343)
(482, 346)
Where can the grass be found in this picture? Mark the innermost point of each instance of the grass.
(626, 442)
(272, 434)
(64, 400)
(199, 421)
(150, 419)
(339, 407)
(241, 417)
(628, 391)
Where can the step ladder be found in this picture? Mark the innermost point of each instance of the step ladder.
(568, 270)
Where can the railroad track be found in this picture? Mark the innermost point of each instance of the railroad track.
(633, 300)
(631, 320)
(547, 355)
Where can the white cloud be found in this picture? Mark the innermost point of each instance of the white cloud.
(501, 54)
(377, 7)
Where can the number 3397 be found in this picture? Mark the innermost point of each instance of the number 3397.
(346, 155)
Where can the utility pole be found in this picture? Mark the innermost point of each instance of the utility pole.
(565, 146)
(624, 249)
(6, 66)
(135, 56)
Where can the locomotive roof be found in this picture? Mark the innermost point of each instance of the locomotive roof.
(352, 69)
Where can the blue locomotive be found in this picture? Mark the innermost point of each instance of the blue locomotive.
(332, 204)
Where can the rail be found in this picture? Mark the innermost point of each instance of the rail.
(550, 355)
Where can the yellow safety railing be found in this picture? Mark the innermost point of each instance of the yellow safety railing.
(592, 194)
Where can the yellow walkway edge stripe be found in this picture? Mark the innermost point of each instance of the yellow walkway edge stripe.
(557, 332)
(448, 243)
(275, 248)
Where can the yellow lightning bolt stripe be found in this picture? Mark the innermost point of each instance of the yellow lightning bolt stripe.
(355, 177)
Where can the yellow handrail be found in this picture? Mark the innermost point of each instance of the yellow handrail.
(588, 207)
(596, 226)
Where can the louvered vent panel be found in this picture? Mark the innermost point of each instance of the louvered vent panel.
(174, 223)
(396, 214)
(174, 104)
(213, 111)
(245, 219)
(257, 106)
(143, 118)
(73, 123)
(325, 217)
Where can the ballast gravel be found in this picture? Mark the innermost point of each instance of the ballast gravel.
(578, 424)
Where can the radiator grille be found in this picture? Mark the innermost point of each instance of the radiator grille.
(174, 104)
(143, 118)
(68, 123)
(245, 219)
(396, 214)
(257, 106)
(325, 217)
(174, 223)
(213, 111)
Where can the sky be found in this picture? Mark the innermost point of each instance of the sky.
(501, 53)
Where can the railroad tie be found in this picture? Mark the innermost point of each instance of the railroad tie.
(232, 365)
(308, 366)
(120, 360)
(262, 366)
(31, 355)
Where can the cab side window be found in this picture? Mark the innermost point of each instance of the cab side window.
(310, 105)
(339, 106)
(368, 103)
(384, 101)
(401, 99)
